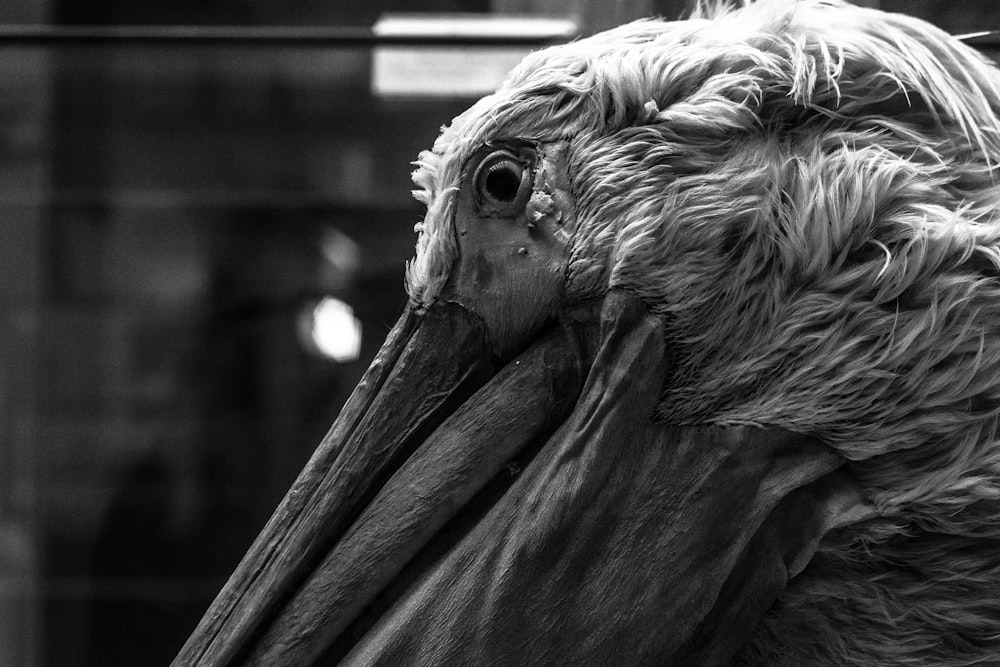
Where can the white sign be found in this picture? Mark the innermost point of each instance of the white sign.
(455, 71)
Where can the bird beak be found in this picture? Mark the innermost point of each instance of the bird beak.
(466, 512)
(407, 451)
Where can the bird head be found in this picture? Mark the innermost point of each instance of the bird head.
(702, 336)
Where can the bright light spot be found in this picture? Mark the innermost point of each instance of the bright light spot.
(335, 331)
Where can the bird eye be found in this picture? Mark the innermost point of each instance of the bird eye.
(502, 182)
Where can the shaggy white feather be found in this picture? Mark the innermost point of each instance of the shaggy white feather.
(806, 193)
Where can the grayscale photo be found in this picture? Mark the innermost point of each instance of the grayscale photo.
(489, 333)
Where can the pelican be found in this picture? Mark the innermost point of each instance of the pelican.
(700, 366)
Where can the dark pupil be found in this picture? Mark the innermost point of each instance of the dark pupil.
(502, 183)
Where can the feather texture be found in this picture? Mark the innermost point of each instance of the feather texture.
(806, 193)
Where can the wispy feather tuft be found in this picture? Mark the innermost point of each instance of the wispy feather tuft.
(806, 192)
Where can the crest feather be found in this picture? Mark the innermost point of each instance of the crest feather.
(806, 193)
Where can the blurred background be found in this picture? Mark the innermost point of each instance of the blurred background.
(202, 246)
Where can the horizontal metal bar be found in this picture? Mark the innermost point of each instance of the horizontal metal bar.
(281, 36)
(207, 200)
(302, 36)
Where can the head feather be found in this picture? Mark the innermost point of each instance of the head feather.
(806, 192)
